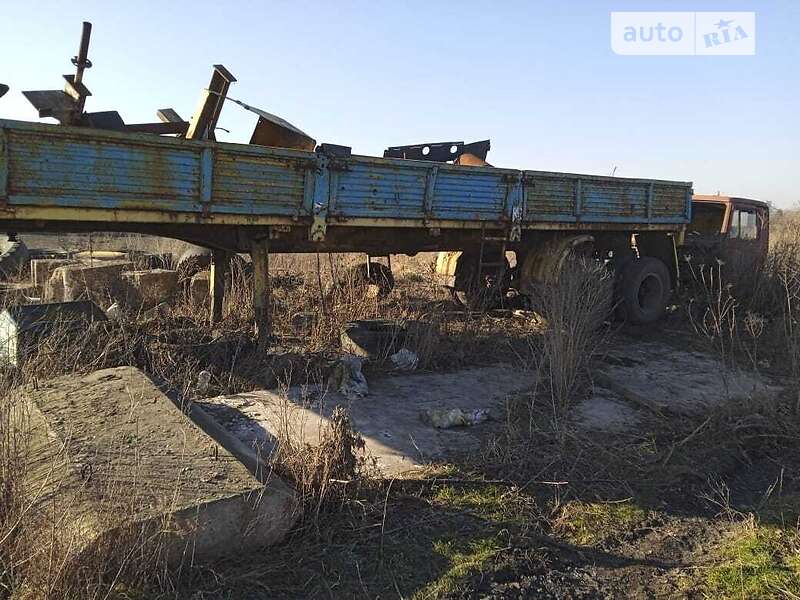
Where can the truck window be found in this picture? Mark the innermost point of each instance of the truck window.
(744, 224)
(707, 217)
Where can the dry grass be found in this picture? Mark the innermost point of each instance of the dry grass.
(575, 311)
(173, 344)
(736, 310)
(361, 537)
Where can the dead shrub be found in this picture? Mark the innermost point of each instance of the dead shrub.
(733, 310)
(575, 310)
(329, 472)
(713, 313)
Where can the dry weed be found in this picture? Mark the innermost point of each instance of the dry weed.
(575, 310)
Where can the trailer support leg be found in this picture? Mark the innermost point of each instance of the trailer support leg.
(220, 262)
(261, 291)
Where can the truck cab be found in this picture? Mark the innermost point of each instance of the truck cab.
(733, 230)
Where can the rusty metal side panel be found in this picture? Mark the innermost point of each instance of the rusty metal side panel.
(669, 201)
(611, 200)
(62, 170)
(246, 184)
(403, 189)
(471, 193)
(65, 168)
(550, 198)
(369, 188)
(569, 198)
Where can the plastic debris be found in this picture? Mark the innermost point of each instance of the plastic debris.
(348, 378)
(203, 380)
(404, 360)
(114, 312)
(444, 418)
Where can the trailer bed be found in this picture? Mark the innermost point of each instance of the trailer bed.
(51, 173)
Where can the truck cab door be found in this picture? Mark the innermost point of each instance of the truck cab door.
(748, 237)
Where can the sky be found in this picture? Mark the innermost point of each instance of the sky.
(538, 78)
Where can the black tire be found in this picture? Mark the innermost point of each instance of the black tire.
(14, 259)
(475, 292)
(197, 259)
(373, 338)
(192, 261)
(357, 275)
(644, 290)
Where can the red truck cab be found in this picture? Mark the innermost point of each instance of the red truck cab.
(734, 230)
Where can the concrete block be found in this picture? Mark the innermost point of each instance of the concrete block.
(101, 282)
(17, 293)
(149, 288)
(93, 257)
(54, 288)
(42, 269)
(389, 418)
(199, 288)
(23, 326)
(663, 378)
(109, 452)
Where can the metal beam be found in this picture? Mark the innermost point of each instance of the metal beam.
(205, 118)
(259, 252)
(158, 128)
(220, 261)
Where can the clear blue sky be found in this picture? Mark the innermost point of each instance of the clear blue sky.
(538, 78)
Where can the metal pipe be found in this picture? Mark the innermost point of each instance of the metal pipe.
(81, 61)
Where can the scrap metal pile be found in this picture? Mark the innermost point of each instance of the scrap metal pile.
(67, 107)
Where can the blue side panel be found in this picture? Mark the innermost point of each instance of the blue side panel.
(470, 193)
(607, 200)
(62, 167)
(550, 199)
(257, 185)
(369, 189)
(89, 169)
(53, 166)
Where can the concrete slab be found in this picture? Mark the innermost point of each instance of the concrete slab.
(153, 286)
(606, 411)
(388, 418)
(665, 378)
(17, 293)
(23, 326)
(110, 449)
(42, 269)
(199, 288)
(99, 282)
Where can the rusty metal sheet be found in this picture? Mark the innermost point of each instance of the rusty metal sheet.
(567, 197)
(465, 193)
(271, 130)
(365, 188)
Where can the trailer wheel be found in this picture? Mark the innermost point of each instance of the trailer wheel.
(192, 261)
(14, 258)
(378, 274)
(479, 291)
(644, 289)
(377, 339)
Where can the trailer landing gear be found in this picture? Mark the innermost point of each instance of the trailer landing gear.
(261, 291)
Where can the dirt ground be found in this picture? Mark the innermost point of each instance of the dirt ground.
(675, 504)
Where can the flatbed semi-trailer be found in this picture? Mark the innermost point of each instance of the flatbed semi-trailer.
(247, 198)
